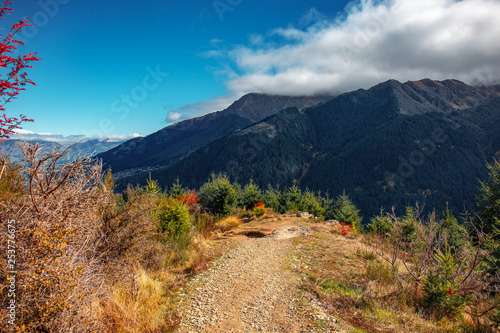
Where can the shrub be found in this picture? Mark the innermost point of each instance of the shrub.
(272, 198)
(454, 233)
(228, 223)
(487, 218)
(344, 210)
(440, 286)
(176, 191)
(488, 202)
(57, 234)
(174, 219)
(250, 195)
(440, 280)
(381, 224)
(259, 209)
(11, 181)
(152, 186)
(409, 225)
(190, 199)
(218, 196)
(313, 204)
(291, 199)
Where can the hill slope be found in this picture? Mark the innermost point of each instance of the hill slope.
(174, 142)
(393, 144)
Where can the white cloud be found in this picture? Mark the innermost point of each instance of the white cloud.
(313, 16)
(67, 140)
(174, 116)
(115, 138)
(373, 42)
(370, 42)
(23, 131)
(189, 111)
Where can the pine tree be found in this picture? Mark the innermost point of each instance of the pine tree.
(344, 210)
(176, 190)
(218, 196)
(487, 218)
(488, 203)
(250, 195)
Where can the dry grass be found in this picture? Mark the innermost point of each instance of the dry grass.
(147, 301)
(90, 260)
(141, 304)
(354, 286)
(227, 223)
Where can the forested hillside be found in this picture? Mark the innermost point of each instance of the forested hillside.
(392, 145)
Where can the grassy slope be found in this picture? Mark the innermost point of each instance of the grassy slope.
(352, 284)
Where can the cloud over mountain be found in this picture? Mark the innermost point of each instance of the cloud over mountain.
(371, 41)
(375, 41)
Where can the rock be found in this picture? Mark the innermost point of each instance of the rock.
(334, 223)
(304, 215)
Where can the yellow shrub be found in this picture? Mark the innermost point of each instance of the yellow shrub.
(228, 223)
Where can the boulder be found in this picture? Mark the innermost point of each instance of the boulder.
(335, 224)
(304, 215)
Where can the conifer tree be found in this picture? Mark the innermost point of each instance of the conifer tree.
(487, 218)
(344, 210)
(488, 203)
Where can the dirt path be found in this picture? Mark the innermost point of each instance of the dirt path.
(248, 290)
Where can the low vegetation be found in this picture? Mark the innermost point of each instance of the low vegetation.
(410, 273)
(91, 259)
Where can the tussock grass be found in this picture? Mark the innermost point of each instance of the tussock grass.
(138, 305)
(228, 223)
(380, 272)
(146, 300)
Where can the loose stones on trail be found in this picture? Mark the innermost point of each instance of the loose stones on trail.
(247, 290)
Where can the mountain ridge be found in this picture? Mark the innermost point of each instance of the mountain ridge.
(176, 141)
(361, 142)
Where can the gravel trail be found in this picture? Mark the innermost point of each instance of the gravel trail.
(247, 290)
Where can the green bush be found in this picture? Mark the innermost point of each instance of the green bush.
(344, 210)
(218, 196)
(250, 196)
(313, 204)
(381, 224)
(454, 233)
(487, 218)
(488, 202)
(174, 219)
(176, 191)
(409, 225)
(260, 209)
(440, 285)
(272, 198)
(291, 199)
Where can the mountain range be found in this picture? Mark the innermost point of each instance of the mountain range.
(78, 145)
(394, 144)
(175, 142)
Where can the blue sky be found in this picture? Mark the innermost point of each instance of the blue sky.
(118, 67)
(93, 52)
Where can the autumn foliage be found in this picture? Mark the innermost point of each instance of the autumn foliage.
(260, 209)
(189, 199)
(13, 66)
